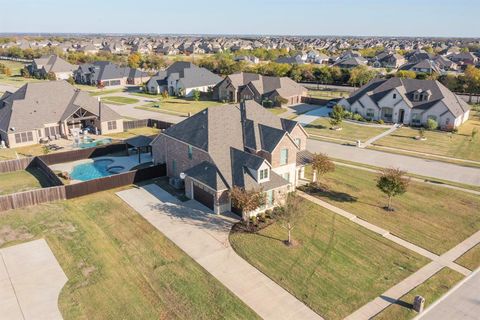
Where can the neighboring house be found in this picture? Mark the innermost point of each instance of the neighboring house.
(348, 63)
(234, 146)
(408, 101)
(182, 78)
(250, 86)
(422, 66)
(52, 63)
(247, 59)
(49, 110)
(463, 58)
(388, 60)
(418, 55)
(298, 59)
(322, 59)
(108, 74)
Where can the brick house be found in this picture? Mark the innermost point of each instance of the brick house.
(234, 145)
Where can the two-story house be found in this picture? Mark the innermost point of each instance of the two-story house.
(240, 145)
(408, 101)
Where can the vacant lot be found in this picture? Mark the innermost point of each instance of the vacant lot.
(145, 131)
(432, 217)
(459, 145)
(118, 265)
(431, 290)
(336, 268)
(117, 100)
(23, 180)
(349, 132)
(471, 258)
(180, 106)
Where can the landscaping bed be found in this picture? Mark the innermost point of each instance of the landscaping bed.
(431, 217)
(336, 266)
(118, 265)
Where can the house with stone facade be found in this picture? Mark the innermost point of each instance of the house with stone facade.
(408, 101)
(240, 145)
(42, 111)
(251, 86)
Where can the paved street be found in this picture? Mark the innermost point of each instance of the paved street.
(460, 303)
(30, 282)
(424, 167)
(204, 237)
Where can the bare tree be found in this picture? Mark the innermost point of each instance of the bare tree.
(247, 200)
(321, 164)
(290, 215)
(392, 182)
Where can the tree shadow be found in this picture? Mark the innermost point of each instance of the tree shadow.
(332, 195)
(316, 126)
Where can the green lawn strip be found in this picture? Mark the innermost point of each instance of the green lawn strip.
(338, 266)
(327, 94)
(424, 178)
(459, 145)
(119, 100)
(471, 258)
(118, 265)
(431, 290)
(146, 95)
(423, 215)
(144, 131)
(23, 180)
(277, 111)
(150, 107)
(102, 91)
(16, 81)
(179, 106)
(349, 131)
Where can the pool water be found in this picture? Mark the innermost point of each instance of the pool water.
(91, 170)
(94, 143)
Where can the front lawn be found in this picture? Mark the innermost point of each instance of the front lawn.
(431, 290)
(144, 131)
(471, 258)
(431, 217)
(118, 265)
(180, 106)
(459, 145)
(23, 180)
(338, 266)
(98, 92)
(350, 132)
(117, 100)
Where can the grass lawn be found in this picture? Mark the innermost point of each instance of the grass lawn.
(146, 95)
(118, 265)
(119, 100)
(439, 143)
(98, 92)
(180, 106)
(277, 111)
(15, 79)
(336, 268)
(8, 154)
(23, 180)
(145, 131)
(431, 290)
(431, 217)
(327, 94)
(350, 132)
(471, 258)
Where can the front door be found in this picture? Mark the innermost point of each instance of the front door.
(401, 116)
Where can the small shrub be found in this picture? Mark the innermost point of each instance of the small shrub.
(358, 117)
(262, 216)
(268, 214)
(380, 121)
(431, 124)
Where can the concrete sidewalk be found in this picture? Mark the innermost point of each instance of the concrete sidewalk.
(30, 282)
(204, 237)
(380, 136)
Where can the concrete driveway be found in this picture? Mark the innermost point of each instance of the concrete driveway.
(204, 237)
(313, 115)
(30, 282)
(424, 167)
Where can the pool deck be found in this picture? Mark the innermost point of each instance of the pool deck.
(127, 162)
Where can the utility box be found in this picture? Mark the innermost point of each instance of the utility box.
(418, 303)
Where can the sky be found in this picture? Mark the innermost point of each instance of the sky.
(447, 18)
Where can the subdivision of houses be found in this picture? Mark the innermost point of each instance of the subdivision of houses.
(41, 67)
(240, 145)
(50, 110)
(388, 59)
(251, 86)
(408, 101)
(106, 74)
(182, 78)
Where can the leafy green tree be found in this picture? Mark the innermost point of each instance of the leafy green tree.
(196, 95)
(247, 200)
(361, 75)
(431, 124)
(323, 75)
(51, 76)
(134, 60)
(406, 74)
(321, 164)
(337, 116)
(392, 182)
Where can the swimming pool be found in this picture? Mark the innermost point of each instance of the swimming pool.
(94, 143)
(91, 170)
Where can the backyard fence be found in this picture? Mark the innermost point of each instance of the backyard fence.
(152, 123)
(316, 101)
(32, 197)
(75, 155)
(15, 59)
(15, 165)
(114, 181)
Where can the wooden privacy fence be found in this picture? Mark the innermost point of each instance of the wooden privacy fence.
(133, 124)
(114, 181)
(315, 101)
(75, 155)
(15, 165)
(31, 198)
